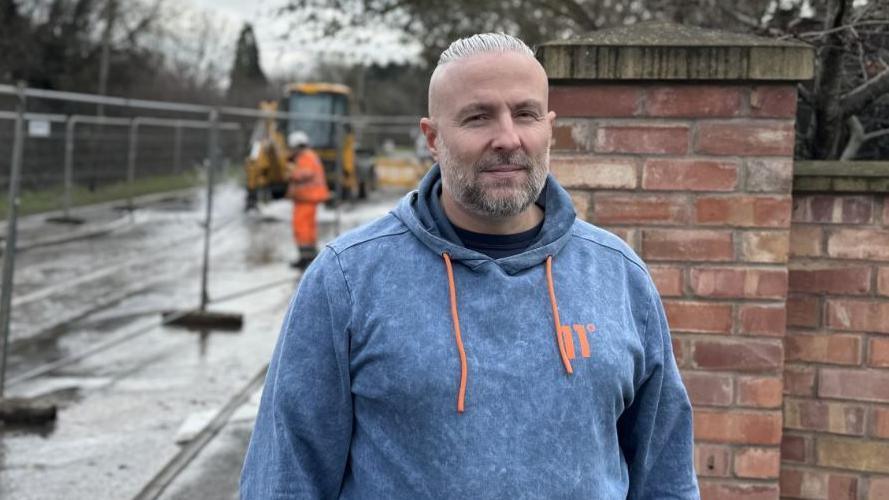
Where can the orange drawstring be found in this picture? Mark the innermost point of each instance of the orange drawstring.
(455, 316)
(558, 323)
(452, 288)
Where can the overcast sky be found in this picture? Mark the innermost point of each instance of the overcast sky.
(286, 57)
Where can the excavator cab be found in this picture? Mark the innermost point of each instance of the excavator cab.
(321, 110)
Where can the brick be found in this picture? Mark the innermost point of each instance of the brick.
(595, 101)
(678, 350)
(817, 484)
(760, 392)
(794, 448)
(698, 317)
(803, 311)
(630, 236)
(886, 212)
(817, 208)
(832, 349)
(805, 241)
(589, 172)
(835, 280)
(842, 487)
(693, 101)
(635, 139)
(769, 175)
(689, 175)
(757, 463)
(738, 491)
(878, 488)
(773, 101)
(856, 210)
(563, 139)
(738, 427)
(797, 483)
(858, 385)
(763, 320)
(708, 389)
(667, 280)
(799, 380)
(854, 454)
(582, 203)
(713, 460)
(640, 209)
(866, 244)
(801, 211)
(573, 136)
(746, 355)
(878, 353)
(765, 246)
(745, 139)
(880, 423)
(735, 282)
(858, 315)
(791, 483)
(814, 415)
(832, 209)
(744, 211)
(687, 245)
(883, 281)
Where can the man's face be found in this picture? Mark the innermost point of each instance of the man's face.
(489, 129)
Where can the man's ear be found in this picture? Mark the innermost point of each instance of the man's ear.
(550, 122)
(429, 131)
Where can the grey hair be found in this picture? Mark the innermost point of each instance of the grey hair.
(483, 43)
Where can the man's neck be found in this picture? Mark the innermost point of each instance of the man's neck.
(471, 221)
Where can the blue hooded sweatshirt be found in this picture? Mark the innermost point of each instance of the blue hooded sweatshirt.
(411, 367)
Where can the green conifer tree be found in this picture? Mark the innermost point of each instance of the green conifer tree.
(248, 83)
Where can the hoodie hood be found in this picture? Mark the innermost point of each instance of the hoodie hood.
(416, 212)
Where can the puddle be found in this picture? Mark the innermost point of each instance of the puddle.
(173, 204)
(69, 339)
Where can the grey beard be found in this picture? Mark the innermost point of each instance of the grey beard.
(461, 183)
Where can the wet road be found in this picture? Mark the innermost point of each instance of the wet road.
(122, 411)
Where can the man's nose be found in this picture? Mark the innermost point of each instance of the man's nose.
(506, 137)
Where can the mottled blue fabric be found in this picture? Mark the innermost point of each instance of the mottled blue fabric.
(360, 400)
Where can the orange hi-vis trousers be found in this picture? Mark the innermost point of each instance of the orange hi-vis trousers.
(305, 229)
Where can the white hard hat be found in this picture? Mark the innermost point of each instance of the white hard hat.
(297, 138)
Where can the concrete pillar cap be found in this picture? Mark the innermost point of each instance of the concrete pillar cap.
(668, 51)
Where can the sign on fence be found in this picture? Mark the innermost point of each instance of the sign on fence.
(38, 128)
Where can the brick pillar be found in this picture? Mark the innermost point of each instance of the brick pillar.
(680, 140)
(836, 405)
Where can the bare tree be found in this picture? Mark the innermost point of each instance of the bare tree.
(852, 75)
(852, 41)
(140, 49)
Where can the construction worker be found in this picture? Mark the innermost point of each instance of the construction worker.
(307, 188)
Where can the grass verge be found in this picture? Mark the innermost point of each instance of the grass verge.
(51, 198)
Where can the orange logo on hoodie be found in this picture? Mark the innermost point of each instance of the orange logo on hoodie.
(568, 337)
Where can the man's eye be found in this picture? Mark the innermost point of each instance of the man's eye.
(475, 118)
(529, 115)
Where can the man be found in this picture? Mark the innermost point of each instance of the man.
(479, 341)
(307, 188)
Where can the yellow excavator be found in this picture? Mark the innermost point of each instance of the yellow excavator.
(321, 105)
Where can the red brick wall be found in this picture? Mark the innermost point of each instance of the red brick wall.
(697, 178)
(836, 404)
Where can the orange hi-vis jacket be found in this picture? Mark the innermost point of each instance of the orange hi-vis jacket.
(307, 181)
